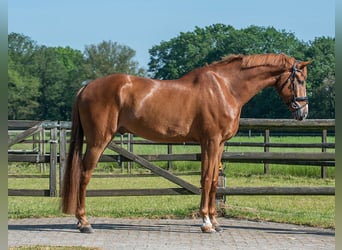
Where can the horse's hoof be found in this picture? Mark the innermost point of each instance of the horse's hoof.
(218, 228)
(207, 229)
(86, 229)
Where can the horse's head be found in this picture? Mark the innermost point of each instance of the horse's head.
(292, 89)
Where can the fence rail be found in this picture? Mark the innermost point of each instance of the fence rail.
(57, 141)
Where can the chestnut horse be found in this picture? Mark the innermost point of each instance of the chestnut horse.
(203, 106)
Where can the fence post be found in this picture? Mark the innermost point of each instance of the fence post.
(266, 149)
(130, 149)
(221, 199)
(53, 159)
(324, 140)
(62, 154)
(42, 150)
(169, 151)
(119, 156)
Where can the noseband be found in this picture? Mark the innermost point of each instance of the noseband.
(295, 99)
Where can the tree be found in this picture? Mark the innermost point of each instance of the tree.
(21, 50)
(61, 72)
(23, 93)
(43, 81)
(172, 59)
(110, 57)
(321, 77)
(324, 98)
(23, 87)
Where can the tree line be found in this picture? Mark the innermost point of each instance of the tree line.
(43, 81)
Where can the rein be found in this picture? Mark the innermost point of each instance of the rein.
(295, 99)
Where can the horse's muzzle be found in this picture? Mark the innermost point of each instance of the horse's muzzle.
(301, 113)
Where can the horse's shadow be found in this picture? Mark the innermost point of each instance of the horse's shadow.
(43, 227)
(171, 228)
(107, 226)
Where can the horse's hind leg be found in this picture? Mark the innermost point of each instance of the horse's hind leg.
(91, 157)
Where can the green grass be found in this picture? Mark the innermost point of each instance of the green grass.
(53, 248)
(312, 211)
(306, 210)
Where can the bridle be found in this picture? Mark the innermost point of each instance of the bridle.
(295, 99)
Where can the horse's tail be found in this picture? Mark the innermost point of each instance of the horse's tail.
(72, 175)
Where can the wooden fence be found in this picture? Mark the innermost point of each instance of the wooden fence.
(55, 134)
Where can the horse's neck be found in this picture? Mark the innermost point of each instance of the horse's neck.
(247, 83)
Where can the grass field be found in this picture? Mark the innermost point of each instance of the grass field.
(307, 210)
(53, 248)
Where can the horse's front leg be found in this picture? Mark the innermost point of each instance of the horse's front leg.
(212, 193)
(211, 151)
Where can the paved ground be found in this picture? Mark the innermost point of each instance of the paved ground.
(167, 234)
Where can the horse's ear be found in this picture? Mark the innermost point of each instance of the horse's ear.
(301, 65)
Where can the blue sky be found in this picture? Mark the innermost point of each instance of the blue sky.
(141, 24)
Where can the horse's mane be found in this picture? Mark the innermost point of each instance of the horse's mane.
(250, 61)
